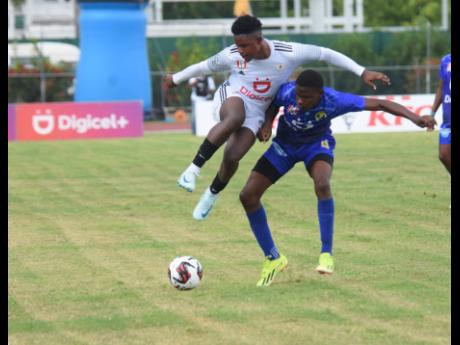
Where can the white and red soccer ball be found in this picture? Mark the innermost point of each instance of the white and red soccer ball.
(185, 272)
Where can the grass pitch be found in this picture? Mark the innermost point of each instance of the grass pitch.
(93, 225)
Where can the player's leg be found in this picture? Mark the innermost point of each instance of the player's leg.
(319, 165)
(445, 145)
(262, 177)
(321, 172)
(445, 155)
(237, 146)
(232, 115)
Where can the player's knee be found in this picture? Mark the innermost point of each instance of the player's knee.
(323, 188)
(444, 157)
(248, 199)
(232, 156)
(234, 121)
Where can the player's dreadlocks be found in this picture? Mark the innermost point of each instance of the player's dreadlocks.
(245, 25)
(310, 78)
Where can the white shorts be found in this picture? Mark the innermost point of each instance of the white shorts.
(255, 116)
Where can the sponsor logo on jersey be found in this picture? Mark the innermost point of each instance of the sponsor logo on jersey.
(261, 86)
(320, 115)
(448, 67)
(251, 95)
(325, 144)
(292, 110)
(241, 65)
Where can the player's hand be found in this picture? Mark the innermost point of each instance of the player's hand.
(426, 121)
(168, 81)
(265, 132)
(370, 76)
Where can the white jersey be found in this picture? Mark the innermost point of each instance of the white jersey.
(256, 82)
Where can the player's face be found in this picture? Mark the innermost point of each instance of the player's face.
(307, 97)
(249, 46)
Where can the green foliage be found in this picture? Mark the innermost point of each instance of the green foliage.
(198, 10)
(402, 13)
(18, 3)
(188, 52)
(25, 81)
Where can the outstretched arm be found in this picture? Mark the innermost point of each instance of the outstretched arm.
(399, 110)
(217, 63)
(196, 70)
(343, 61)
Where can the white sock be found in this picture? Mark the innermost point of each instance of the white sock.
(194, 169)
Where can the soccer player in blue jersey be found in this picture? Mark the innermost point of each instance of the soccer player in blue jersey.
(304, 135)
(443, 97)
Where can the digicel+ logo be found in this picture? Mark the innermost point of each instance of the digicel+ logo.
(45, 124)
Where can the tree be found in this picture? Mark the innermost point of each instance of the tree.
(402, 13)
(18, 3)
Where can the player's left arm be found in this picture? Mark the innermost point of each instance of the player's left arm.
(311, 53)
(265, 132)
(399, 110)
(437, 98)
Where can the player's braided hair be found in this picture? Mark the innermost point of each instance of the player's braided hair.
(245, 25)
(310, 78)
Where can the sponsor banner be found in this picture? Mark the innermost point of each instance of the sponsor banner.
(11, 122)
(380, 121)
(357, 122)
(75, 120)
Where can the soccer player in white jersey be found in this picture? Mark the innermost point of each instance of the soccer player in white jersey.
(258, 67)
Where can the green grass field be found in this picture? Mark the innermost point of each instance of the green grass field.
(93, 225)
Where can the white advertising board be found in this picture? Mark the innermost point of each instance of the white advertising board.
(358, 122)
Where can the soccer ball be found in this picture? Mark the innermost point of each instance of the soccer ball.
(185, 272)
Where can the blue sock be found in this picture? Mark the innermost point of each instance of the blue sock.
(259, 226)
(326, 223)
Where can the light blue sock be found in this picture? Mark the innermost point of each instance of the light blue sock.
(259, 226)
(326, 223)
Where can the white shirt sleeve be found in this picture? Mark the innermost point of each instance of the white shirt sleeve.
(217, 63)
(305, 53)
(197, 70)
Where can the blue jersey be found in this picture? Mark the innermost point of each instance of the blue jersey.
(296, 127)
(444, 74)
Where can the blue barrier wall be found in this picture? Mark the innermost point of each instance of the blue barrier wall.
(114, 61)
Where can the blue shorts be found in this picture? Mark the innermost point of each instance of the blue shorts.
(444, 134)
(284, 156)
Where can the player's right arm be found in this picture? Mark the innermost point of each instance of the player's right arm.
(217, 63)
(399, 110)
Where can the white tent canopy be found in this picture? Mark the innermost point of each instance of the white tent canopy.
(55, 51)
